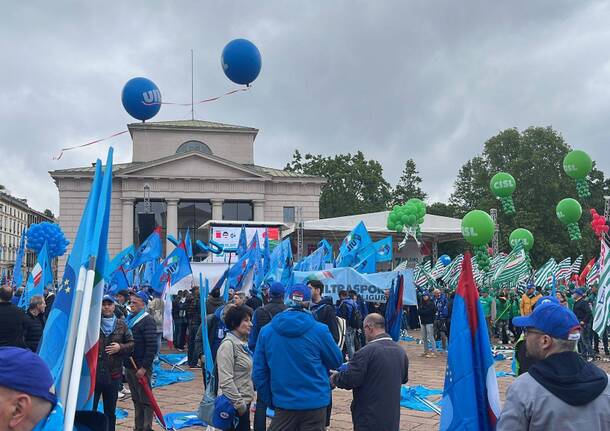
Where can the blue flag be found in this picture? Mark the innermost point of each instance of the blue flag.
(207, 351)
(329, 250)
(17, 274)
(188, 244)
(393, 311)
(150, 249)
(53, 345)
(242, 243)
(123, 259)
(175, 268)
(470, 398)
(355, 242)
(37, 279)
(383, 249)
(314, 262)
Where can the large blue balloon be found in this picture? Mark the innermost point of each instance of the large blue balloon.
(141, 98)
(241, 61)
(446, 260)
(50, 233)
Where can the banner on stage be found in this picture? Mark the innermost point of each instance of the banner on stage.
(370, 286)
(229, 236)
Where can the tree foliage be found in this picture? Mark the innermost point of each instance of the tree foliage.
(354, 184)
(534, 157)
(49, 213)
(408, 185)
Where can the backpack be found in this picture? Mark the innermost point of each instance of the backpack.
(353, 317)
(341, 325)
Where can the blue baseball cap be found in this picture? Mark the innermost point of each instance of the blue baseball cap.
(277, 290)
(552, 319)
(142, 295)
(108, 298)
(224, 413)
(298, 293)
(24, 371)
(579, 292)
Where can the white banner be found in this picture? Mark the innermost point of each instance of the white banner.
(229, 237)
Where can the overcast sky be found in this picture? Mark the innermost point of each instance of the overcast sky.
(431, 80)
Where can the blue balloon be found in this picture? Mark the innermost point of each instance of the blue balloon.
(141, 98)
(446, 260)
(48, 232)
(241, 61)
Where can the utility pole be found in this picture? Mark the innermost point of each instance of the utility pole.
(192, 87)
(299, 227)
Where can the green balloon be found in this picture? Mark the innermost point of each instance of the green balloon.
(522, 236)
(577, 164)
(502, 185)
(478, 227)
(568, 211)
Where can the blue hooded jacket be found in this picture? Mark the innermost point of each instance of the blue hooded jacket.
(293, 356)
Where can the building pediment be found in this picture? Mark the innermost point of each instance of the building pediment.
(191, 165)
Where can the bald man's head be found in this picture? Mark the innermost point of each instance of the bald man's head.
(374, 325)
(20, 411)
(6, 293)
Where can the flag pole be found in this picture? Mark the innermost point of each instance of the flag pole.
(79, 347)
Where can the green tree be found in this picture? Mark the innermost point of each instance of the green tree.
(354, 184)
(49, 213)
(534, 157)
(408, 185)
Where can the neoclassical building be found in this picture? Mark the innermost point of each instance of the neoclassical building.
(182, 174)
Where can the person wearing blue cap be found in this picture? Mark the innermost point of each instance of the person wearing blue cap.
(27, 394)
(560, 390)
(262, 316)
(584, 314)
(293, 357)
(143, 329)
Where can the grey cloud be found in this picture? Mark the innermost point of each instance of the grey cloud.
(421, 79)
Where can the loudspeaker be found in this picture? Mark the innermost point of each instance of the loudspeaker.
(146, 225)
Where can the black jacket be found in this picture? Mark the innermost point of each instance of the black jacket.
(324, 312)
(583, 312)
(427, 311)
(376, 373)
(254, 302)
(145, 343)
(33, 331)
(12, 325)
(262, 316)
(111, 366)
(570, 378)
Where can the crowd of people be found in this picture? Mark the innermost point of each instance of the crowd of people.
(286, 349)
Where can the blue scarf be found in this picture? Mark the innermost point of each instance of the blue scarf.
(108, 325)
(133, 319)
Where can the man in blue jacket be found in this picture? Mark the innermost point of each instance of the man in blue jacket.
(293, 357)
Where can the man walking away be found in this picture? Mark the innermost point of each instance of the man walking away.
(12, 320)
(427, 311)
(35, 322)
(582, 310)
(560, 391)
(262, 316)
(180, 322)
(143, 328)
(348, 310)
(293, 357)
(193, 315)
(503, 307)
(116, 343)
(376, 374)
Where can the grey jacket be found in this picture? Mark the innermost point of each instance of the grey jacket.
(529, 406)
(235, 372)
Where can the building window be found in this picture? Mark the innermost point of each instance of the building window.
(193, 146)
(191, 215)
(237, 210)
(289, 215)
(145, 222)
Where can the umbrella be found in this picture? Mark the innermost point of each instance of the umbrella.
(149, 394)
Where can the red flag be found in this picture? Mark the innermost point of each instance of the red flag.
(583, 275)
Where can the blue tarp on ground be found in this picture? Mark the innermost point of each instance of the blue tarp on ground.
(179, 420)
(163, 377)
(504, 374)
(408, 396)
(173, 358)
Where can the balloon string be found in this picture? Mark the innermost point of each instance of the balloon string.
(87, 144)
(211, 99)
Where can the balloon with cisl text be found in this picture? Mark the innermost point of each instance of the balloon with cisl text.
(141, 98)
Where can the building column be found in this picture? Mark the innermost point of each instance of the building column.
(127, 236)
(172, 222)
(217, 209)
(259, 210)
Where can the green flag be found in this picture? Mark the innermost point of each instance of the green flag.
(602, 305)
(514, 266)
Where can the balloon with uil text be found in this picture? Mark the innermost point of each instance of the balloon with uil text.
(141, 98)
(569, 212)
(241, 61)
(577, 164)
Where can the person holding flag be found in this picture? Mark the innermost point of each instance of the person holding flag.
(143, 328)
(560, 391)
